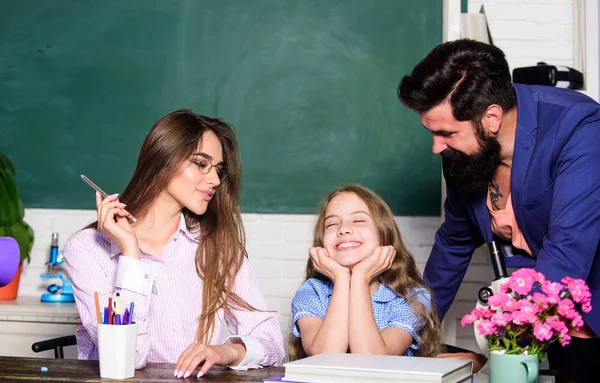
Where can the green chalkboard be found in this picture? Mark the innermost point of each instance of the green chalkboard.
(309, 85)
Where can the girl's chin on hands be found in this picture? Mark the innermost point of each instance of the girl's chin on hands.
(372, 266)
(328, 266)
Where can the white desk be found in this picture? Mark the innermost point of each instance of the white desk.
(26, 320)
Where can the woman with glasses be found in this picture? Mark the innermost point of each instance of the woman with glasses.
(182, 263)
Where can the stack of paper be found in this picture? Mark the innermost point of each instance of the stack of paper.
(338, 368)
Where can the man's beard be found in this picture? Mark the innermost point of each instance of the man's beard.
(471, 174)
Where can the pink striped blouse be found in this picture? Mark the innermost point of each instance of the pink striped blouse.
(167, 313)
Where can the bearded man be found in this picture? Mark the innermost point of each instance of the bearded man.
(522, 165)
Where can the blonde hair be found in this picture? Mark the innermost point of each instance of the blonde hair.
(402, 277)
(221, 251)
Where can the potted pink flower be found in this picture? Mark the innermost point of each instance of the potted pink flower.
(528, 314)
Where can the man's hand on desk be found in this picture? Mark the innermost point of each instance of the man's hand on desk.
(197, 353)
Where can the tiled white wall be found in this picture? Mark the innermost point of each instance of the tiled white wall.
(529, 31)
(277, 247)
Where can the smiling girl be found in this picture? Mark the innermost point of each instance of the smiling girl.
(363, 292)
(183, 262)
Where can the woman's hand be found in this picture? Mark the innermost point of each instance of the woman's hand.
(197, 353)
(379, 261)
(112, 222)
(326, 265)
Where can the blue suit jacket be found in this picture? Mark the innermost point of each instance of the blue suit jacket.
(555, 191)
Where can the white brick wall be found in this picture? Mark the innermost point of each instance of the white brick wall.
(529, 31)
(277, 246)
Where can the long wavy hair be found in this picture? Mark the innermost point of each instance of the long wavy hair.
(402, 277)
(221, 250)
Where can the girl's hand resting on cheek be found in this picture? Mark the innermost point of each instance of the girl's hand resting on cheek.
(326, 265)
(372, 266)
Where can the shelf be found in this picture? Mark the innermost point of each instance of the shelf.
(30, 309)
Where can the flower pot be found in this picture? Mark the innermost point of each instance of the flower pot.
(11, 290)
(514, 368)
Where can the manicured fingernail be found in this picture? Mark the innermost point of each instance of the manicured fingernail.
(199, 374)
(175, 373)
(180, 374)
(187, 373)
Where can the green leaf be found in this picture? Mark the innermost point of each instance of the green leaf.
(515, 351)
(8, 231)
(506, 343)
(541, 356)
(32, 236)
(12, 210)
(11, 187)
(9, 197)
(5, 210)
(6, 164)
(23, 234)
(20, 209)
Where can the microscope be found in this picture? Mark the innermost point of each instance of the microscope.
(500, 277)
(61, 292)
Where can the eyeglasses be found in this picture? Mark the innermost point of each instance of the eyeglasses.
(206, 166)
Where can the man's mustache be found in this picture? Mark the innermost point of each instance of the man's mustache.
(454, 155)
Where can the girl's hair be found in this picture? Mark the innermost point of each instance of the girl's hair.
(221, 251)
(402, 277)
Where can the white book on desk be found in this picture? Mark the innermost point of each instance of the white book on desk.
(338, 368)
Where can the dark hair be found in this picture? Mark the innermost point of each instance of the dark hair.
(403, 277)
(471, 74)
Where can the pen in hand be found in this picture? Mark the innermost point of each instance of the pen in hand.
(95, 187)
